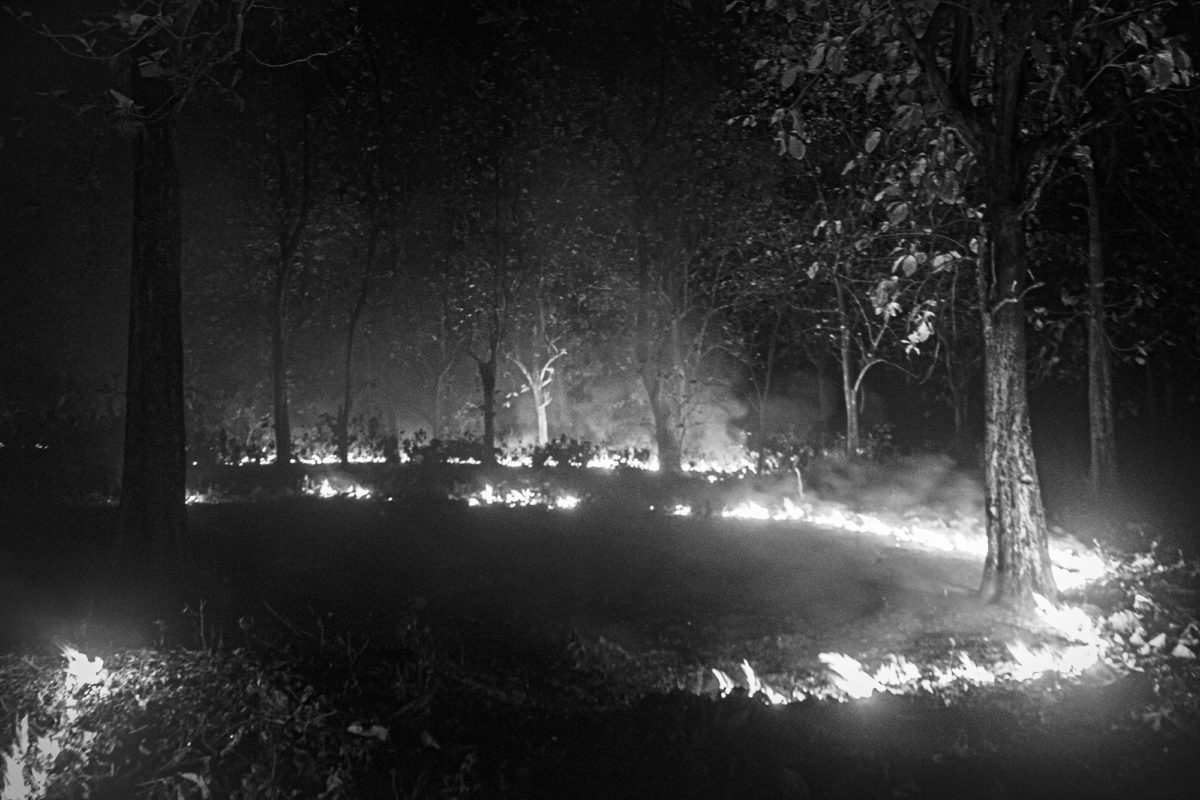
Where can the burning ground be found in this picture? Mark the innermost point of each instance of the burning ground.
(641, 641)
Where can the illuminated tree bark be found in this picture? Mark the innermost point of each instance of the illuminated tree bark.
(1018, 557)
(152, 512)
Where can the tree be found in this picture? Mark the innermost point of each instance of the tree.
(168, 50)
(1000, 75)
(154, 475)
(172, 48)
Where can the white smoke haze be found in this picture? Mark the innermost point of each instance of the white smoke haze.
(925, 484)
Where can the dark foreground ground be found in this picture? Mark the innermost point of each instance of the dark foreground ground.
(400, 650)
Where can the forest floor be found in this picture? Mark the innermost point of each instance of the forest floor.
(420, 647)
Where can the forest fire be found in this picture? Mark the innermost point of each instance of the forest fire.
(519, 498)
(325, 489)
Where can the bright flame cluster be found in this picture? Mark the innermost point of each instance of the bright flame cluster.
(1083, 645)
(326, 489)
(328, 458)
(1073, 568)
(521, 498)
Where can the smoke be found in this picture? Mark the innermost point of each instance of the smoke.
(921, 485)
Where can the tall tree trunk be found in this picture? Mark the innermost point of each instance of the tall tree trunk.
(1102, 431)
(666, 436)
(540, 400)
(487, 382)
(669, 450)
(1018, 557)
(153, 483)
(279, 387)
(360, 302)
(764, 392)
(849, 389)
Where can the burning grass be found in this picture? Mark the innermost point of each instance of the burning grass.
(300, 709)
(805, 647)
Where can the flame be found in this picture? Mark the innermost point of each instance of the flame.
(326, 489)
(566, 502)
(1073, 569)
(81, 670)
(521, 498)
(754, 686)
(847, 674)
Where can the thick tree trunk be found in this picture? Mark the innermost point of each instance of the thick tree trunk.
(849, 390)
(1018, 559)
(670, 451)
(540, 401)
(1103, 473)
(153, 484)
(666, 437)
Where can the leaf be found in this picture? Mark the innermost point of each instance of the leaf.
(897, 212)
(1164, 69)
(860, 78)
(122, 101)
(200, 783)
(835, 60)
(872, 140)
(873, 86)
(944, 261)
(818, 56)
(796, 147)
(850, 165)
(918, 171)
(908, 116)
(1136, 33)
(908, 263)
(789, 76)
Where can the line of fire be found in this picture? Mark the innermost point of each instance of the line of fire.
(605, 399)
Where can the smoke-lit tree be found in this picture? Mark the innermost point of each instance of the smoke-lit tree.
(1002, 76)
